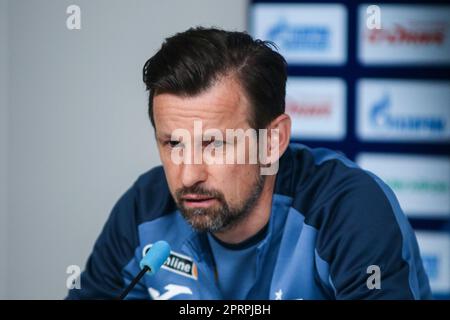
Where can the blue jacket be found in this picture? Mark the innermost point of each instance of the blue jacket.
(334, 231)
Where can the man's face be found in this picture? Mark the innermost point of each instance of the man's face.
(211, 197)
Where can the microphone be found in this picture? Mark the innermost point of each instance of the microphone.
(150, 263)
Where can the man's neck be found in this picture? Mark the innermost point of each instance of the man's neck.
(255, 220)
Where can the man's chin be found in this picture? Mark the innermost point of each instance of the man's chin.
(202, 220)
(202, 226)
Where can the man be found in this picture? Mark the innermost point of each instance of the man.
(296, 223)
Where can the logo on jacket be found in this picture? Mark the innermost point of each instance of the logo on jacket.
(177, 263)
(172, 290)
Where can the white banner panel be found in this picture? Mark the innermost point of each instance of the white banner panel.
(304, 33)
(435, 251)
(409, 34)
(403, 110)
(421, 183)
(317, 107)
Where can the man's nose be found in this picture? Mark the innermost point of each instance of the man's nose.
(192, 174)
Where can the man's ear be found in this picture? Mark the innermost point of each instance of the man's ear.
(274, 143)
(282, 125)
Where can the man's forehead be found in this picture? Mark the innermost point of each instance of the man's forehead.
(222, 106)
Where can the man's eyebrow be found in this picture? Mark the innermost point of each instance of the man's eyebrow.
(163, 136)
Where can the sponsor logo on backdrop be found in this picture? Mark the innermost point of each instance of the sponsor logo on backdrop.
(421, 183)
(304, 33)
(316, 107)
(435, 252)
(424, 35)
(300, 37)
(308, 108)
(402, 110)
(408, 35)
(381, 116)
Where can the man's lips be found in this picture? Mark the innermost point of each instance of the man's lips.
(197, 200)
(193, 197)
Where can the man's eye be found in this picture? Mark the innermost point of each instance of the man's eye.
(173, 143)
(218, 143)
(214, 143)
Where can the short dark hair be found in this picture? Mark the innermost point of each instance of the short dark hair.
(191, 61)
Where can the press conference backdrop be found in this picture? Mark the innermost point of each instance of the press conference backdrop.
(379, 95)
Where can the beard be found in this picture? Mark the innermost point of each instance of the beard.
(221, 216)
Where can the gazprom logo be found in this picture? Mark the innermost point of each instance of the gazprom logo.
(381, 117)
(300, 37)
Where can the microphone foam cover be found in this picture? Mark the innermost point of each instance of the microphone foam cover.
(155, 257)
